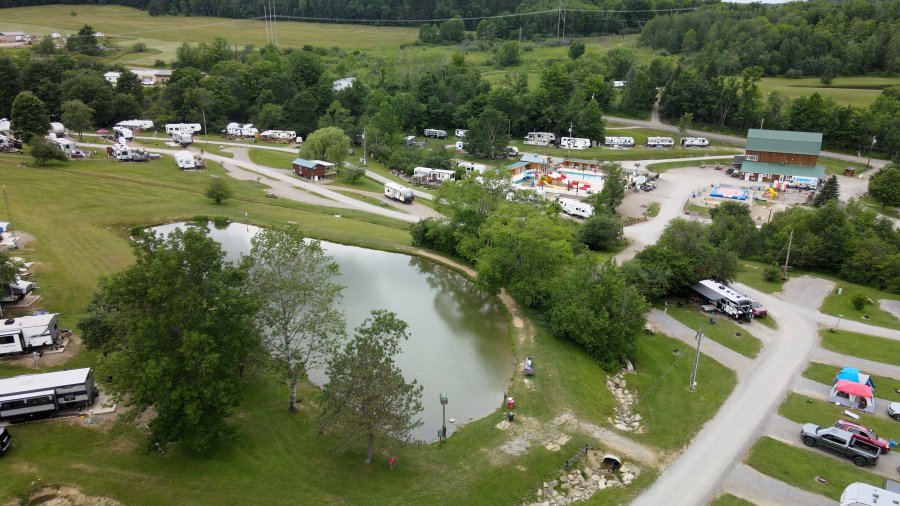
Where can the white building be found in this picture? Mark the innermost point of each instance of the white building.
(112, 77)
(342, 84)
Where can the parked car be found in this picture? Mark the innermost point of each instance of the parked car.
(894, 411)
(840, 442)
(759, 311)
(864, 434)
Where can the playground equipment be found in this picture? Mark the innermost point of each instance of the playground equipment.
(771, 193)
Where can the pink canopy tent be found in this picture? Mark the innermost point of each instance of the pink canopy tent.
(853, 395)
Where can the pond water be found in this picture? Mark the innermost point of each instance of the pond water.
(459, 342)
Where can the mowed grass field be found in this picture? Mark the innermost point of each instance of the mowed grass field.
(858, 91)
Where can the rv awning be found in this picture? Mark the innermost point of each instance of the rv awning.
(706, 292)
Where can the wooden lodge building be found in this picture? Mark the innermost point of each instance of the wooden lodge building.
(776, 155)
(313, 169)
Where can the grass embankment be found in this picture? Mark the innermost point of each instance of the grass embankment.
(803, 409)
(729, 500)
(86, 209)
(753, 274)
(661, 167)
(800, 466)
(723, 331)
(652, 210)
(874, 348)
(859, 91)
(272, 158)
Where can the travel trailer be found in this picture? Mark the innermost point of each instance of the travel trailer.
(185, 139)
(460, 133)
(123, 133)
(239, 130)
(35, 331)
(574, 143)
(428, 174)
(694, 142)
(437, 134)
(185, 160)
(190, 128)
(35, 395)
(398, 192)
(726, 299)
(619, 142)
(136, 124)
(660, 142)
(540, 138)
(472, 167)
(575, 207)
(280, 136)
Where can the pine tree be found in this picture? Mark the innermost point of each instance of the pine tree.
(828, 192)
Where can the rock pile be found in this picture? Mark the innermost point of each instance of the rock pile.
(580, 485)
(625, 419)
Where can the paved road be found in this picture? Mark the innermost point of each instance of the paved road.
(735, 139)
(726, 438)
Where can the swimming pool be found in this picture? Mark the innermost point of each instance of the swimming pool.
(581, 176)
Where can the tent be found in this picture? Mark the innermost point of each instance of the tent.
(853, 395)
(853, 374)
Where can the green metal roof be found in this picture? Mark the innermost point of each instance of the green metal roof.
(783, 169)
(781, 141)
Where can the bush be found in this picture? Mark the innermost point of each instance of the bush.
(200, 219)
(138, 47)
(771, 273)
(218, 190)
(221, 221)
(859, 301)
(136, 232)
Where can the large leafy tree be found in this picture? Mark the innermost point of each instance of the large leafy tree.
(885, 186)
(10, 85)
(44, 151)
(294, 280)
(488, 134)
(366, 396)
(9, 270)
(77, 116)
(29, 116)
(83, 42)
(188, 329)
(602, 231)
(733, 228)
(330, 144)
(613, 191)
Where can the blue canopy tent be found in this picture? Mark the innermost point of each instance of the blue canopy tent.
(853, 374)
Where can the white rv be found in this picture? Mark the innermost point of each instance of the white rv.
(694, 142)
(279, 136)
(239, 130)
(618, 142)
(863, 494)
(540, 138)
(512, 151)
(460, 146)
(32, 395)
(460, 133)
(5, 125)
(185, 160)
(574, 143)
(57, 128)
(472, 167)
(68, 147)
(398, 192)
(12, 342)
(575, 207)
(185, 139)
(660, 142)
(726, 299)
(437, 134)
(123, 133)
(38, 330)
(190, 128)
(136, 124)
(433, 175)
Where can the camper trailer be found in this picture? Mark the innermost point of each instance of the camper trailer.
(191, 128)
(618, 142)
(472, 167)
(726, 299)
(136, 124)
(57, 128)
(460, 133)
(239, 130)
(68, 147)
(427, 174)
(12, 342)
(8, 143)
(185, 160)
(694, 142)
(575, 207)
(437, 134)
(184, 139)
(460, 146)
(398, 192)
(123, 133)
(540, 138)
(36, 395)
(279, 136)
(121, 152)
(16, 290)
(512, 151)
(37, 330)
(574, 143)
(863, 494)
(660, 142)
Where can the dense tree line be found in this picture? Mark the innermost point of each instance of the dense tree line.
(795, 39)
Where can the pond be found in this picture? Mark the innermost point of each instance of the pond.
(459, 340)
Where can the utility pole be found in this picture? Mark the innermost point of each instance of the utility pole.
(205, 133)
(870, 152)
(266, 20)
(364, 147)
(8, 210)
(788, 256)
(699, 338)
(274, 23)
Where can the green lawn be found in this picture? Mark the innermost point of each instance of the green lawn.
(729, 500)
(668, 427)
(837, 166)
(724, 331)
(270, 158)
(836, 305)
(877, 349)
(799, 467)
(661, 167)
(857, 91)
(752, 274)
(803, 409)
(652, 210)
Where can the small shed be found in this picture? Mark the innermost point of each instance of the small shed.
(314, 169)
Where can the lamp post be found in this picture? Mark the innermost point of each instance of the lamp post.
(443, 434)
(840, 316)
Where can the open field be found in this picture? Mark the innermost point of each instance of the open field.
(855, 91)
(874, 348)
(800, 466)
(724, 331)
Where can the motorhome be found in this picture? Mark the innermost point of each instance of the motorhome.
(239, 130)
(398, 192)
(694, 142)
(659, 142)
(57, 128)
(190, 128)
(437, 134)
(280, 136)
(185, 139)
(460, 133)
(185, 160)
(540, 138)
(35, 395)
(575, 207)
(136, 124)
(574, 143)
(123, 133)
(472, 167)
(726, 299)
(618, 142)
(37, 330)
